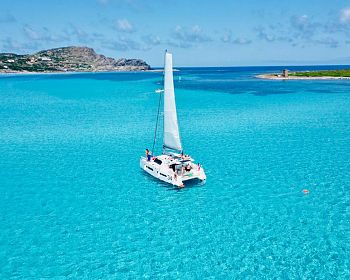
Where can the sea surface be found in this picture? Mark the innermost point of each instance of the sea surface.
(75, 204)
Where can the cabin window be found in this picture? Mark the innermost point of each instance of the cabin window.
(149, 168)
(158, 161)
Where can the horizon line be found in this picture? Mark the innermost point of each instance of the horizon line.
(277, 65)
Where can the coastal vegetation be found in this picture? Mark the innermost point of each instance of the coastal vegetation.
(67, 59)
(308, 75)
(322, 73)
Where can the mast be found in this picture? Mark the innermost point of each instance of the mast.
(171, 134)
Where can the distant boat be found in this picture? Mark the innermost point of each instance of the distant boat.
(172, 166)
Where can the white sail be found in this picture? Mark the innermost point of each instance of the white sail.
(171, 128)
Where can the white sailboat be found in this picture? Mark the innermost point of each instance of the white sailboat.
(172, 166)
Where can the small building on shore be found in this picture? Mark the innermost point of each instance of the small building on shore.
(285, 73)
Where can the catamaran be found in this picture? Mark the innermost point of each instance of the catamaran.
(172, 166)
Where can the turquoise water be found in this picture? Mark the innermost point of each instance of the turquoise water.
(75, 204)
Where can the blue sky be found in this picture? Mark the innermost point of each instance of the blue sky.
(199, 33)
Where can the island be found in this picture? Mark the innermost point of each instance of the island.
(67, 59)
(309, 75)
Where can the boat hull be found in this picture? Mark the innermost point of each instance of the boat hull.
(167, 175)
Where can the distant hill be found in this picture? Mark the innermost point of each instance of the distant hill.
(72, 59)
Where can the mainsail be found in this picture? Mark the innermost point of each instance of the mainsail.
(171, 128)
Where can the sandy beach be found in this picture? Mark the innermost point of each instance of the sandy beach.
(280, 77)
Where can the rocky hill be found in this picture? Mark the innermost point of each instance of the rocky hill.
(72, 59)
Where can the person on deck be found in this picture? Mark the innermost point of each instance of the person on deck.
(148, 155)
(188, 168)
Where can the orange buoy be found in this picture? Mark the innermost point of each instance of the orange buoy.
(305, 191)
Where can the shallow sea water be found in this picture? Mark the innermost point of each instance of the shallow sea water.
(75, 204)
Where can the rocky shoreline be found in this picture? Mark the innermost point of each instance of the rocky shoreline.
(65, 60)
(3, 73)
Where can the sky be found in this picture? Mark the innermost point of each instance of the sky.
(198, 33)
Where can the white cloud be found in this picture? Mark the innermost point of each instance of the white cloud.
(44, 35)
(31, 33)
(11, 45)
(328, 41)
(227, 38)
(183, 37)
(265, 35)
(241, 41)
(304, 27)
(152, 40)
(192, 35)
(300, 21)
(124, 25)
(345, 15)
(123, 43)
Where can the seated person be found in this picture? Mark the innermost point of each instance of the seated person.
(188, 167)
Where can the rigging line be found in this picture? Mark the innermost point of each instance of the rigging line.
(159, 104)
(155, 130)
